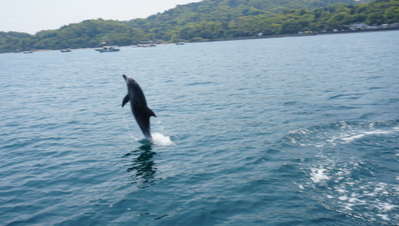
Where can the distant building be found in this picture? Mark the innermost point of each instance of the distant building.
(394, 25)
(359, 26)
(373, 27)
(305, 32)
(364, 27)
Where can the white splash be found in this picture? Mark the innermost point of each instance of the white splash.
(351, 138)
(353, 135)
(384, 217)
(318, 175)
(361, 198)
(385, 207)
(162, 140)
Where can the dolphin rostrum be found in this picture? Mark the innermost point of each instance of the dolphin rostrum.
(138, 104)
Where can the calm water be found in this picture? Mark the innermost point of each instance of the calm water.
(288, 131)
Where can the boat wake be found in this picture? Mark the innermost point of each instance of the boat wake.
(346, 166)
(353, 188)
(339, 133)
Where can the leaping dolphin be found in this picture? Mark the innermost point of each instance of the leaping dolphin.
(138, 104)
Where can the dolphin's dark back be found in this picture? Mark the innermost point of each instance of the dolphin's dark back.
(138, 104)
(138, 95)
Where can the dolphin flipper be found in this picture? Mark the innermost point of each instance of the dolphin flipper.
(125, 100)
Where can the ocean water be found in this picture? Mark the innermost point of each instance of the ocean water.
(286, 131)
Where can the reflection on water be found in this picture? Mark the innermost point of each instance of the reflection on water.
(142, 167)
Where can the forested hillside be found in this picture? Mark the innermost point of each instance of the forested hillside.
(223, 11)
(212, 20)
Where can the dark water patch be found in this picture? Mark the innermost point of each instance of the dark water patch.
(376, 88)
(289, 103)
(374, 77)
(350, 96)
(367, 116)
(201, 83)
(19, 143)
(393, 100)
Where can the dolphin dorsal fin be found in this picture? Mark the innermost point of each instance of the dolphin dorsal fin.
(150, 112)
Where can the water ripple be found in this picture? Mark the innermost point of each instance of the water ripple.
(250, 132)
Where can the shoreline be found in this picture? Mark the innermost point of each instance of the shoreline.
(236, 39)
(292, 35)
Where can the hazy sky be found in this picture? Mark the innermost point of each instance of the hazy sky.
(35, 15)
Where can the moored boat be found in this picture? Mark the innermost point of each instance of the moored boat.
(106, 49)
(146, 45)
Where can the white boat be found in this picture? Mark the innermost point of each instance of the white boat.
(106, 49)
(146, 45)
(65, 50)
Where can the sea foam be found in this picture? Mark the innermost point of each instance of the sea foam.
(318, 175)
(161, 140)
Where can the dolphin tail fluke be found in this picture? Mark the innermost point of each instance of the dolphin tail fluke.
(125, 100)
(150, 112)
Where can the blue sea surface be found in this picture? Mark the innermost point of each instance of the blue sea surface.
(284, 131)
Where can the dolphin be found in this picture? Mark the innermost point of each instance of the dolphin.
(138, 104)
